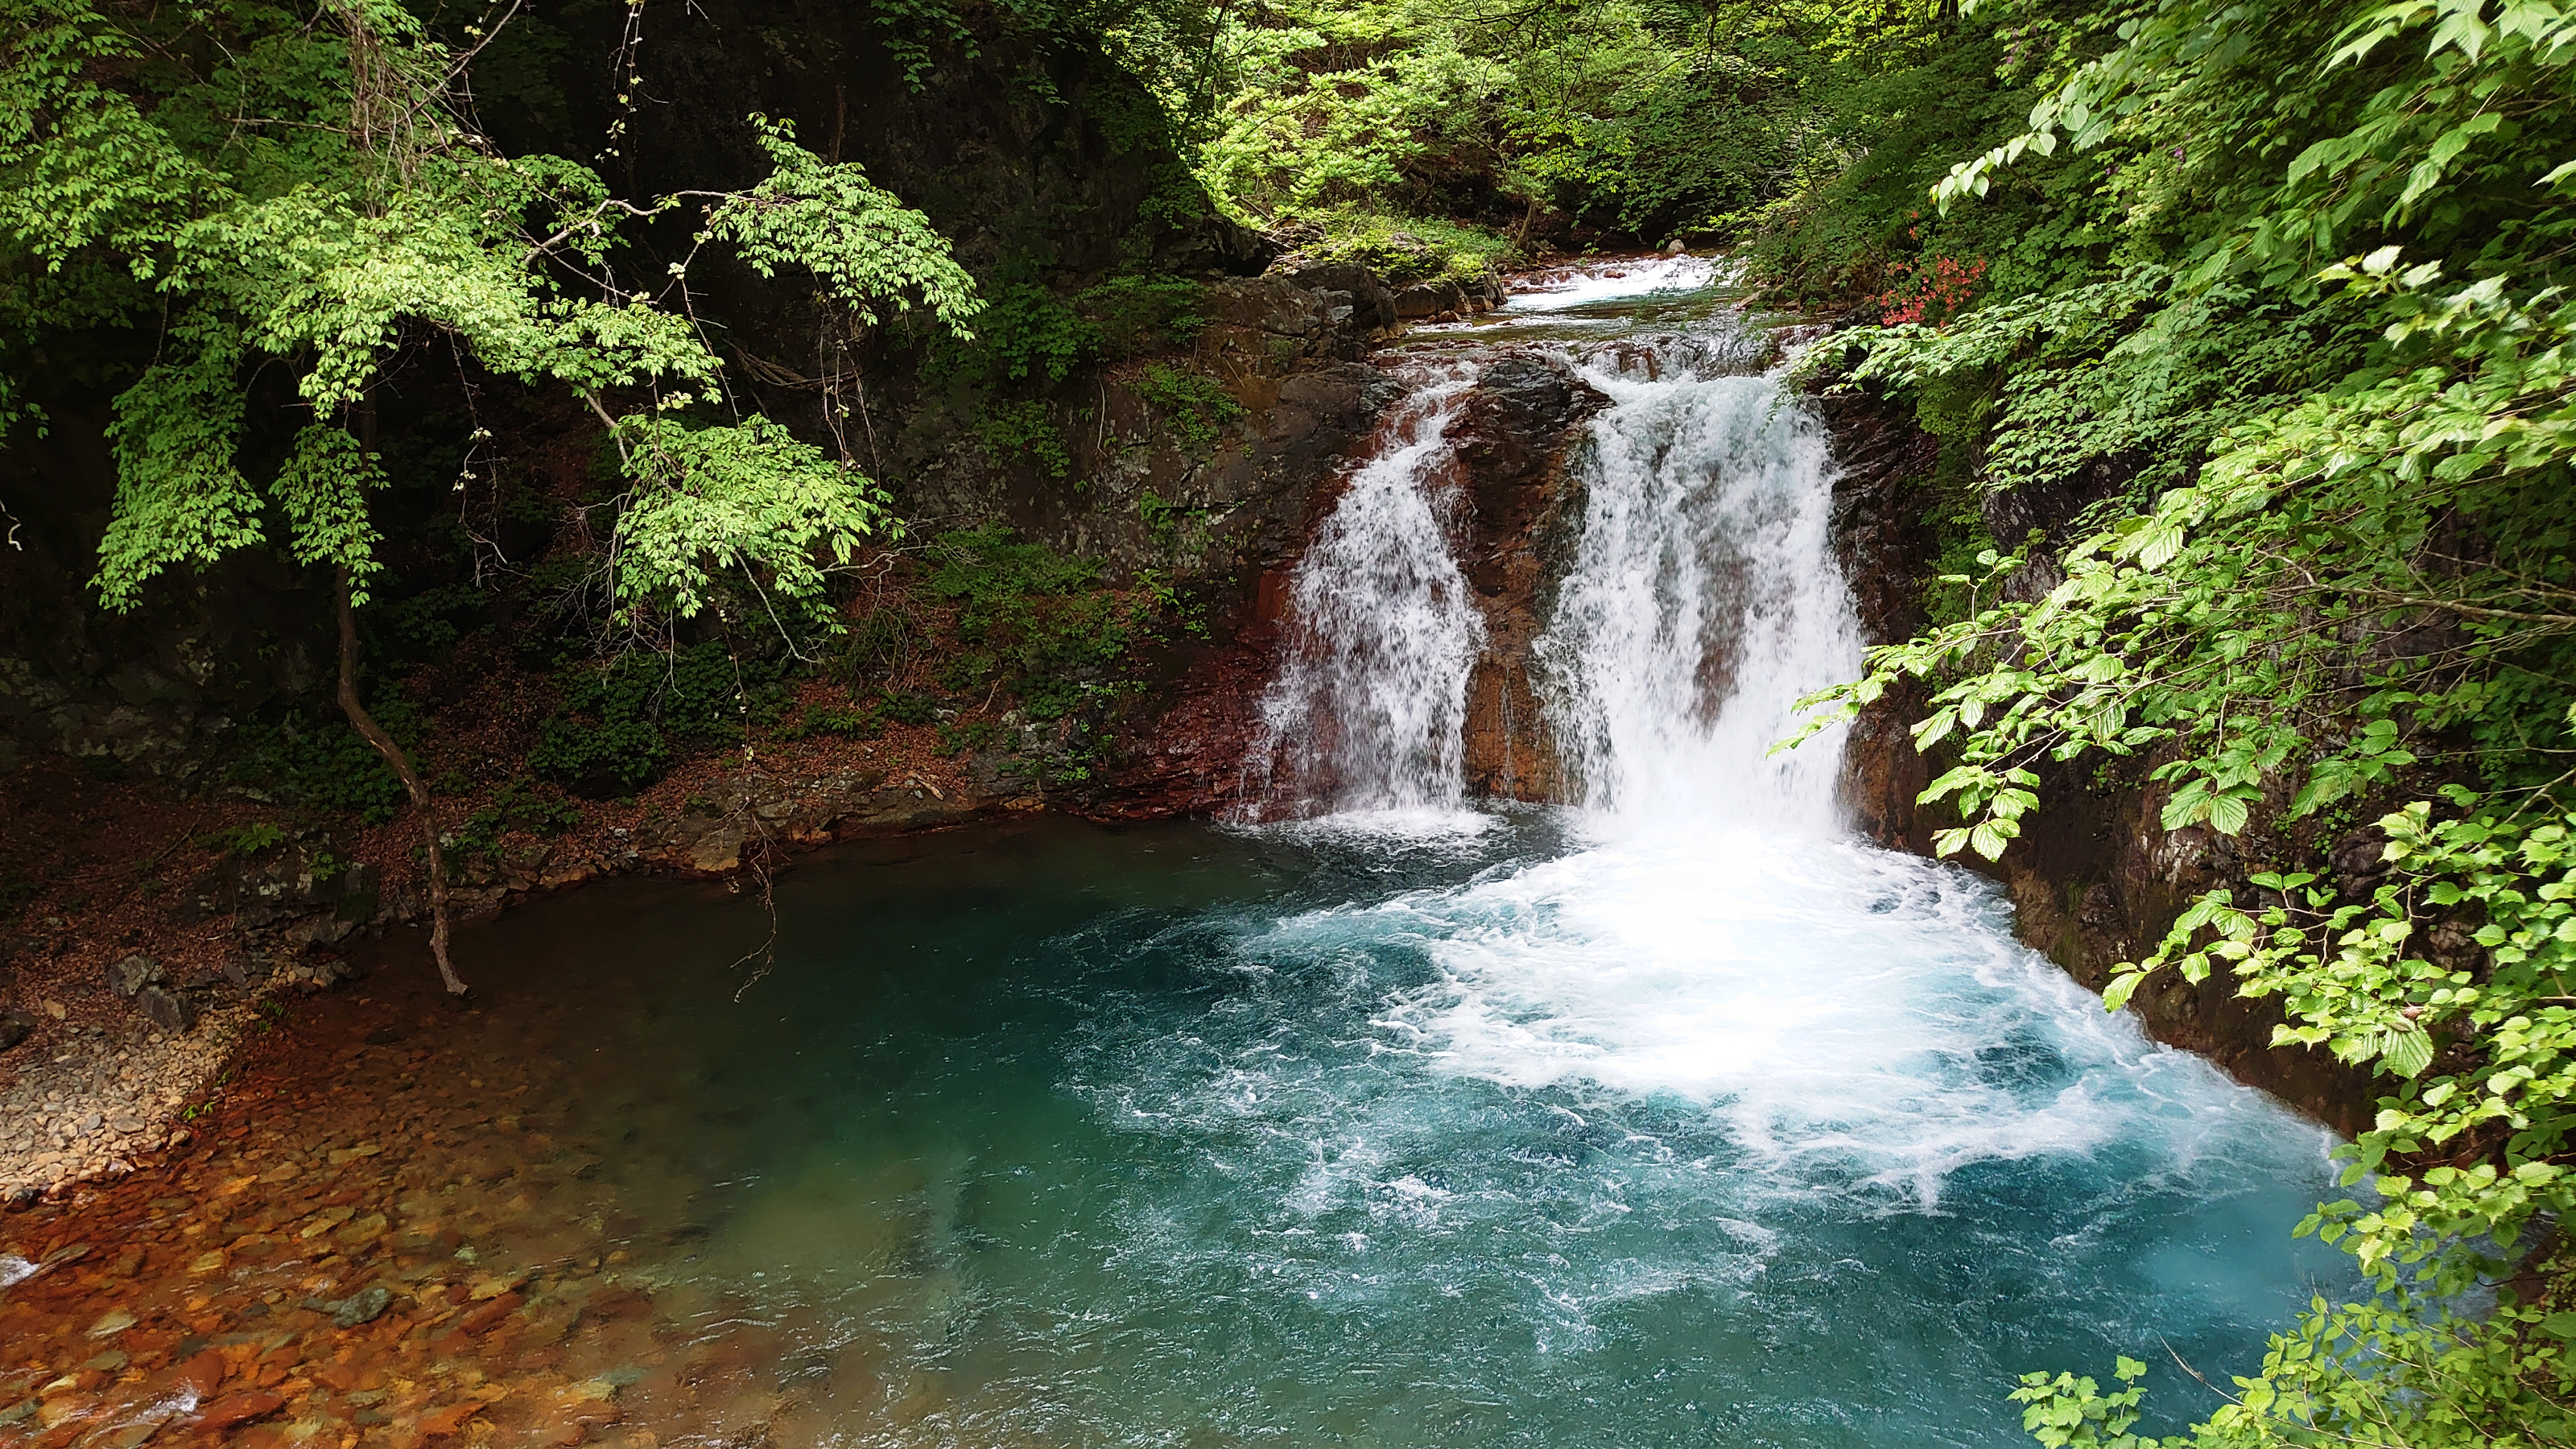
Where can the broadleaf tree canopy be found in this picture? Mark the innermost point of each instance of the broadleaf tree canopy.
(318, 192)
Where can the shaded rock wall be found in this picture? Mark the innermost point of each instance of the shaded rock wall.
(1518, 434)
(2094, 879)
(142, 691)
(1248, 510)
(1049, 168)
(1197, 497)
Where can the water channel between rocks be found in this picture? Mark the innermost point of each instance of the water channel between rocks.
(1673, 1118)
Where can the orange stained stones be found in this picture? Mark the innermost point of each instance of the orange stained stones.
(440, 1423)
(201, 1375)
(239, 1408)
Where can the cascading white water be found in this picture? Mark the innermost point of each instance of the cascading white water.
(1719, 936)
(1704, 602)
(1367, 711)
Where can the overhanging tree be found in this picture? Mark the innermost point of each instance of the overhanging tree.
(303, 186)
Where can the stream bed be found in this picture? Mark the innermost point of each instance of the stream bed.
(1478, 1132)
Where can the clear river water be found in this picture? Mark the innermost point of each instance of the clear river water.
(1673, 1116)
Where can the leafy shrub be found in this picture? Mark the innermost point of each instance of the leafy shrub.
(1403, 249)
(879, 644)
(246, 839)
(864, 722)
(1143, 313)
(521, 805)
(423, 625)
(967, 735)
(911, 709)
(1963, 548)
(1026, 334)
(324, 764)
(625, 720)
(1033, 620)
(1160, 515)
(1026, 429)
(1934, 294)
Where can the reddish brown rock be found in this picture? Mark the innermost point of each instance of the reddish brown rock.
(240, 1408)
(200, 1376)
(1516, 435)
(441, 1423)
(618, 1303)
(2095, 879)
(482, 1319)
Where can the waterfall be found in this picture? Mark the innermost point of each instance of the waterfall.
(1367, 711)
(1704, 601)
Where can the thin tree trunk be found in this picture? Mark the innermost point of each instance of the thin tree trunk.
(374, 733)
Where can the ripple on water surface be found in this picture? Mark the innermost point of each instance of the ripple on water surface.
(1314, 1135)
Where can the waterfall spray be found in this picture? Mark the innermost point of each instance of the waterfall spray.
(1703, 601)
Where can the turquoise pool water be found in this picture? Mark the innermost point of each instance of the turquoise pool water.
(1438, 1129)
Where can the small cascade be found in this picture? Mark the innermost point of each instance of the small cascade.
(1703, 599)
(1368, 708)
(1703, 603)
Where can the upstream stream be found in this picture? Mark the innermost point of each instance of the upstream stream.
(1677, 1116)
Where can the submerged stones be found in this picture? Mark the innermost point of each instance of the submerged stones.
(114, 1322)
(236, 1409)
(362, 1307)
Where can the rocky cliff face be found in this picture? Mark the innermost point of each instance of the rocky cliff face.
(2095, 880)
(1050, 170)
(1517, 437)
(1516, 433)
(141, 692)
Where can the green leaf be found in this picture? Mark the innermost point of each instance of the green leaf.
(2227, 814)
(2408, 1053)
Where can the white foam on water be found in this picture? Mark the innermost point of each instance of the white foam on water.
(1861, 1022)
(1856, 1022)
(1611, 282)
(14, 1269)
(1420, 826)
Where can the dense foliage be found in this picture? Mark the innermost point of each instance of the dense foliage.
(267, 185)
(1629, 120)
(2271, 303)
